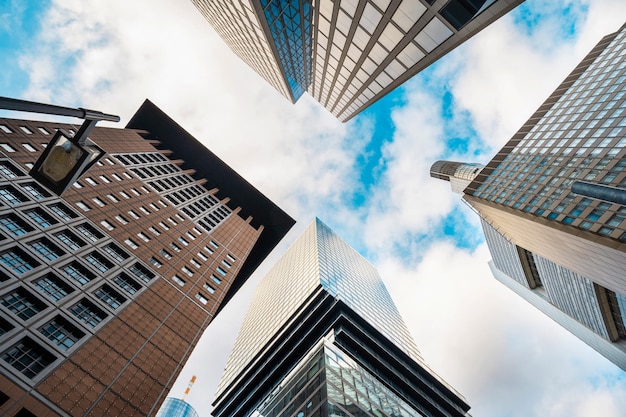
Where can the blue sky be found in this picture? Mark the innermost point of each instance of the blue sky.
(367, 179)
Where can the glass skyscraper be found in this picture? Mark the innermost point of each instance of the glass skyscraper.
(562, 251)
(345, 54)
(322, 337)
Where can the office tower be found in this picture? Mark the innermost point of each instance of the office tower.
(346, 54)
(322, 337)
(566, 252)
(174, 407)
(105, 291)
(458, 174)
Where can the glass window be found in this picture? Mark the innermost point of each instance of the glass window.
(216, 279)
(17, 260)
(35, 190)
(131, 243)
(14, 225)
(22, 303)
(88, 313)
(220, 270)
(127, 283)
(53, 287)
(28, 357)
(98, 261)
(165, 254)
(141, 272)
(178, 280)
(11, 195)
(89, 232)
(202, 298)
(208, 288)
(40, 217)
(61, 333)
(121, 219)
(46, 249)
(143, 237)
(63, 211)
(6, 147)
(107, 225)
(132, 214)
(187, 271)
(110, 296)
(175, 247)
(183, 241)
(77, 272)
(90, 181)
(116, 252)
(69, 239)
(9, 170)
(154, 261)
(98, 202)
(81, 205)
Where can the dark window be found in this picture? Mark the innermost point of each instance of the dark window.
(22, 303)
(18, 260)
(70, 239)
(116, 252)
(53, 287)
(11, 195)
(9, 170)
(3, 398)
(89, 232)
(24, 413)
(28, 357)
(127, 283)
(109, 296)
(46, 249)
(14, 225)
(141, 272)
(63, 211)
(40, 217)
(78, 273)
(35, 190)
(5, 327)
(459, 12)
(99, 262)
(88, 313)
(61, 332)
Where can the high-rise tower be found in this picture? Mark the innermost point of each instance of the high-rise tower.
(105, 291)
(346, 54)
(322, 337)
(563, 251)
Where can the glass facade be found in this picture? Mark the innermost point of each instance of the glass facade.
(173, 407)
(345, 54)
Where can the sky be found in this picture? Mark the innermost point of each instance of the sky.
(367, 179)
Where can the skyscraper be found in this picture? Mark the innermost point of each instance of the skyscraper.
(346, 54)
(565, 252)
(105, 291)
(322, 337)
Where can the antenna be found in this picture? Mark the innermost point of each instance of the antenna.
(193, 379)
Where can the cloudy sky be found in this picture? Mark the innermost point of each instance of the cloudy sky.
(367, 179)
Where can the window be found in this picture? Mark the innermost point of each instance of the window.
(14, 225)
(195, 263)
(190, 236)
(144, 210)
(165, 254)
(88, 313)
(208, 249)
(61, 332)
(116, 177)
(116, 252)
(28, 357)
(5, 129)
(112, 198)
(230, 257)
(98, 202)
(143, 237)
(169, 219)
(131, 243)
(78, 273)
(220, 270)
(154, 231)
(5, 327)
(216, 279)
(98, 261)
(104, 179)
(9, 170)
(11, 195)
(121, 219)
(6, 147)
(154, 207)
(63, 211)
(26, 130)
(43, 130)
(164, 226)
(226, 264)
(77, 185)
(40, 217)
(35, 190)
(69, 239)
(183, 241)
(90, 181)
(29, 147)
(89, 232)
(107, 225)
(208, 288)
(175, 247)
(141, 272)
(22, 303)
(110, 296)
(17, 260)
(187, 271)
(124, 194)
(134, 191)
(154, 261)
(178, 280)
(202, 256)
(132, 214)
(202, 298)
(127, 283)
(215, 245)
(81, 205)
(53, 287)
(46, 249)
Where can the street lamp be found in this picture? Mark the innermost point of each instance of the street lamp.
(67, 156)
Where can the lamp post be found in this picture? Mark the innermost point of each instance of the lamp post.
(67, 156)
